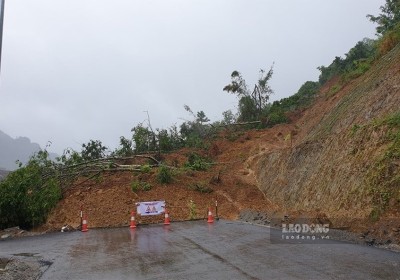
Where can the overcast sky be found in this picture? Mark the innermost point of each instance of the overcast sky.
(75, 70)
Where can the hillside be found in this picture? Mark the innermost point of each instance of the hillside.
(342, 162)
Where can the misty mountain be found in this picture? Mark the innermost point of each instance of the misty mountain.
(20, 148)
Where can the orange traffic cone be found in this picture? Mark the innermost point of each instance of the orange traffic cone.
(167, 221)
(133, 222)
(210, 216)
(84, 224)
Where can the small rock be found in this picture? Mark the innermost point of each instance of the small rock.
(12, 229)
(370, 242)
(66, 228)
(4, 236)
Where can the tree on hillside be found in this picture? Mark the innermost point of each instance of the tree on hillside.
(125, 148)
(251, 103)
(193, 132)
(143, 138)
(93, 150)
(388, 18)
(362, 51)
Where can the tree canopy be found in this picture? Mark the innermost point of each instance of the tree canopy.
(388, 18)
(251, 103)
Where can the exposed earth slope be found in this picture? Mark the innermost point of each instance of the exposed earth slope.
(338, 159)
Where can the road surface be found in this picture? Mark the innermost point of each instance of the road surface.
(197, 250)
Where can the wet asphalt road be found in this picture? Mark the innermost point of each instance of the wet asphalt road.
(197, 250)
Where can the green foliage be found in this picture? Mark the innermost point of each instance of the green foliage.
(143, 138)
(164, 175)
(393, 151)
(238, 85)
(228, 117)
(251, 103)
(334, 89)
(162, 140)
(125, 147)
(247, 109)
(94, 149)
(389, 40)
(358, 59)
(135, 186)
(361, 66)
(165, 142)
(145, 168)
(334, 69)
(194, 132)
(140, 186)
(28, 194)
(201, 117)
(389, 18)
(384, 177)
(146, 186)
(276, 113)
(196, 162)
(70, 157)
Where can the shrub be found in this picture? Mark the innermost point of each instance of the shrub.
(135, 186)
(196, 162)
(389, 40)
(146, 186)
(164, 175)
(140, 186)
(28, 194)
(277, 117)
(145, 168)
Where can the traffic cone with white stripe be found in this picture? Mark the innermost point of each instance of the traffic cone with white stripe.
(210, 216)
(133, 221)
(167, 220)
(84, 224)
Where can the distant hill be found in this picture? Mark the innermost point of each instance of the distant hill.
(20, 148)
(3, 174)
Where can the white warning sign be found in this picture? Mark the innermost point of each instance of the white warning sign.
(150, 208)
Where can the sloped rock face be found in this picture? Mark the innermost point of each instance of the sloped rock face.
(338, 146)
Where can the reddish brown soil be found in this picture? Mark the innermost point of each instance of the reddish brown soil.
(108, 200)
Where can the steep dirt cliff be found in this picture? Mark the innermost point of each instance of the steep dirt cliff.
(344, 160)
